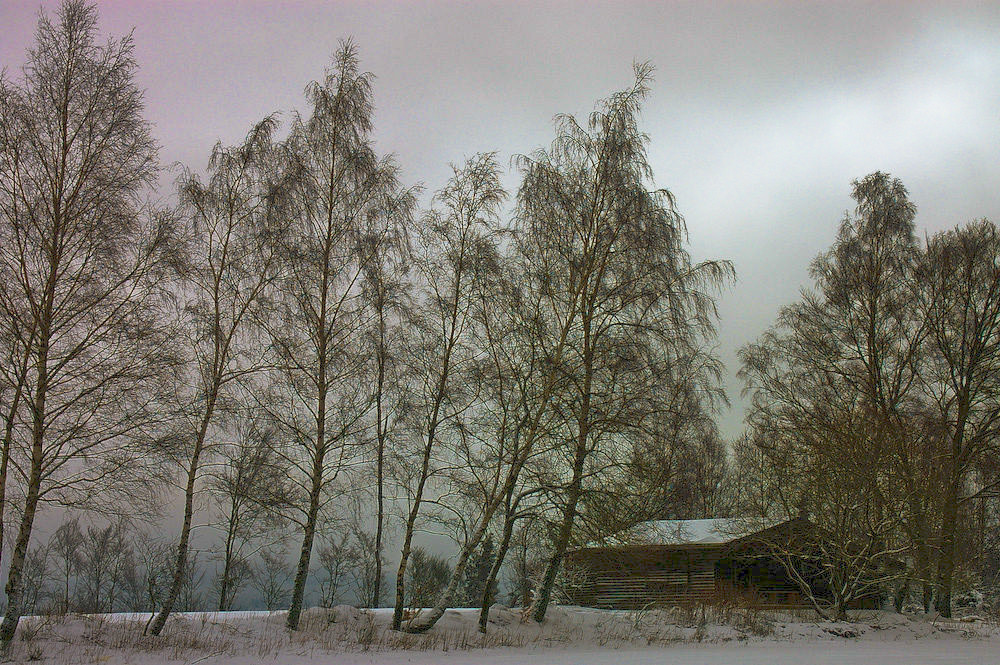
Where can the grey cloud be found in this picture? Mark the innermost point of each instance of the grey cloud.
(761, 113)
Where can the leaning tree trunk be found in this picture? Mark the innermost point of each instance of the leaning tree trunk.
(543, 597)
(227, 567)
(489, 591)
(15, 584)
(181, 562)
(379, 465)
(8, 437)
(411, 518)
(404, 555)
(425, 622)
(308, 535)
(540, 604)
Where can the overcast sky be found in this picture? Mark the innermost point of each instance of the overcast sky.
(761, 114)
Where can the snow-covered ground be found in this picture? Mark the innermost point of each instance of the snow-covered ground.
(570, 636)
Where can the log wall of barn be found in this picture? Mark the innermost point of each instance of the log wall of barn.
(640, 579)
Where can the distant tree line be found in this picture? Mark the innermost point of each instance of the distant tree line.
(302, 357)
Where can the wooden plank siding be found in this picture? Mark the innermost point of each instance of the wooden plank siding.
(740, 570)
(640, 578)
(651, 576)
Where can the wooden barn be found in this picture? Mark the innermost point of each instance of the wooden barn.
(673, 562)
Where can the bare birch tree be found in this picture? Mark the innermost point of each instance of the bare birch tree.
(595, 239)
(509, 426)
(271, 578)
(235, 222)
(495, 468)
(386, 290)
(457, 250)
(84, 255)
(616, 245)
(241, 482)
(66, 545)
(962, 305)
(105, 557)
(833, 388)
(342, 190)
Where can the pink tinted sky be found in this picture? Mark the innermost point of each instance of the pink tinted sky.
(761, 113)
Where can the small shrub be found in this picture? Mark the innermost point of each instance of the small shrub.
(367, 631)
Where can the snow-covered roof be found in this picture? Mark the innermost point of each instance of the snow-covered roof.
(685, 532)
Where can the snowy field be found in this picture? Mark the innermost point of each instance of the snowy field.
(570, 636)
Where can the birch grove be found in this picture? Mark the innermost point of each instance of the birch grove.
(309, 378)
